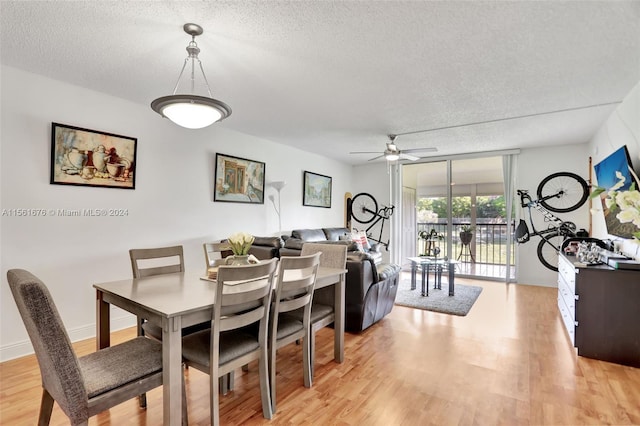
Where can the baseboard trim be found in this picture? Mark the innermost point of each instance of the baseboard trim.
(24, 348)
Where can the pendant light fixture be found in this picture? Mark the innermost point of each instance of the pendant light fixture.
(190, 110)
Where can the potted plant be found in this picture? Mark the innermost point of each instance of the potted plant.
(466, 233)
(430, 237)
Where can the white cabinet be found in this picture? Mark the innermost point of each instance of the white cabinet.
(600, 308)
(567, 296)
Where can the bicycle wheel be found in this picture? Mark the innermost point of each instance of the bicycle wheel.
(364, 208)
(548, 251)
(570, 189)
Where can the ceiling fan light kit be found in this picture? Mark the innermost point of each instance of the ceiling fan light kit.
(190, 110)
(393, 153)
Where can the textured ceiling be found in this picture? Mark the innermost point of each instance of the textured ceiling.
(332, 77)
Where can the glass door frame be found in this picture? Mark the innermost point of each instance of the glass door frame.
(395, 189)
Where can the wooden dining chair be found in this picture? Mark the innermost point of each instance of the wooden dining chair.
(294, 290)
(215, 253)
(88, 385)
(149, 262)
(243, 296)
(155, 261)
(322, 307)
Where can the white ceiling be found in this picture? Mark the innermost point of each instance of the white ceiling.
(338, 76)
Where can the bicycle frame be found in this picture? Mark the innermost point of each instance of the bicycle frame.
(384, 213)
(559, 227)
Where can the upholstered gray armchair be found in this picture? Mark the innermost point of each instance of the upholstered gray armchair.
(85, 386)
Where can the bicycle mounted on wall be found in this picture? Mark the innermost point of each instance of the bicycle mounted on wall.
(560, 192)
(363, 208)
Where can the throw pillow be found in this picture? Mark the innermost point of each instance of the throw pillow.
(360, 238)
(352, 245)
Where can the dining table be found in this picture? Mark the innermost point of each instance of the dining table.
(178, 300)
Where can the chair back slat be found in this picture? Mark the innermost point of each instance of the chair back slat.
(59, 367)
(240, 291)
(296, 280)
(172, 259)
(240, 320)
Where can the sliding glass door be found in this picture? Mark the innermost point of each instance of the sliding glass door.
(460, 212)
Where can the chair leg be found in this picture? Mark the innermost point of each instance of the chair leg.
(214, 400)
(272, 375)
(46, 407)
(265, 391)
(312, 350)
(142, 400)
(306, 363)
(226, 382)
(139, 326)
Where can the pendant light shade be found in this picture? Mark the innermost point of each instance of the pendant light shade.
(190, 110)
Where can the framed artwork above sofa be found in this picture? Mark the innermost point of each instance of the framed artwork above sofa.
(316, 190)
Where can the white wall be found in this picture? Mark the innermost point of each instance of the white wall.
(621, 128)
(172, 202)
(533, 166)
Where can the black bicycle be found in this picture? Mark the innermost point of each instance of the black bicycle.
(364, 209)
(560, 192)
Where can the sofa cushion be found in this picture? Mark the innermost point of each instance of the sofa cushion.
(334, 234)
(309, 235)
(294, 243)
(275, 242)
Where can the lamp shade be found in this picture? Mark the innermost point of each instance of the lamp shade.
(191, 111)
(278, 185)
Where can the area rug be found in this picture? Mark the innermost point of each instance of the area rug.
(438, 300)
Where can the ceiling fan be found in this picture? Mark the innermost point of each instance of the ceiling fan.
(393, 153)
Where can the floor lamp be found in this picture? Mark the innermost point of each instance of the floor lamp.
(278, 185)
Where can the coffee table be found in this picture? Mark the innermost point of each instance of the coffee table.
(438, 264)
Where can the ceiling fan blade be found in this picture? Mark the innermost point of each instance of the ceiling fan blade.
(375, 158)
(420, 150)
(409, 157)
(365, 152)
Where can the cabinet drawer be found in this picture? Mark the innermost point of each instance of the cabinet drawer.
(567, 319)
(567, 272)
(568, 295)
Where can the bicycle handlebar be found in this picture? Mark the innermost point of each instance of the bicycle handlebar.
(525, 198)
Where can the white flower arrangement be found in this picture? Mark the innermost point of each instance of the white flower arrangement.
(241, 243)
(628, 201)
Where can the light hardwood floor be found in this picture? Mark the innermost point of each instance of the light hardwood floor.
(507, 362)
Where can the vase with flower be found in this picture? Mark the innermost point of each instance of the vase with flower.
(240, 244)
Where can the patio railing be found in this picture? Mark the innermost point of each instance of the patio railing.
(488, 246)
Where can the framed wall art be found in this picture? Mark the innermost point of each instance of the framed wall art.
(616, 178)
(92, 158)
(316, 190)
(239, 180)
